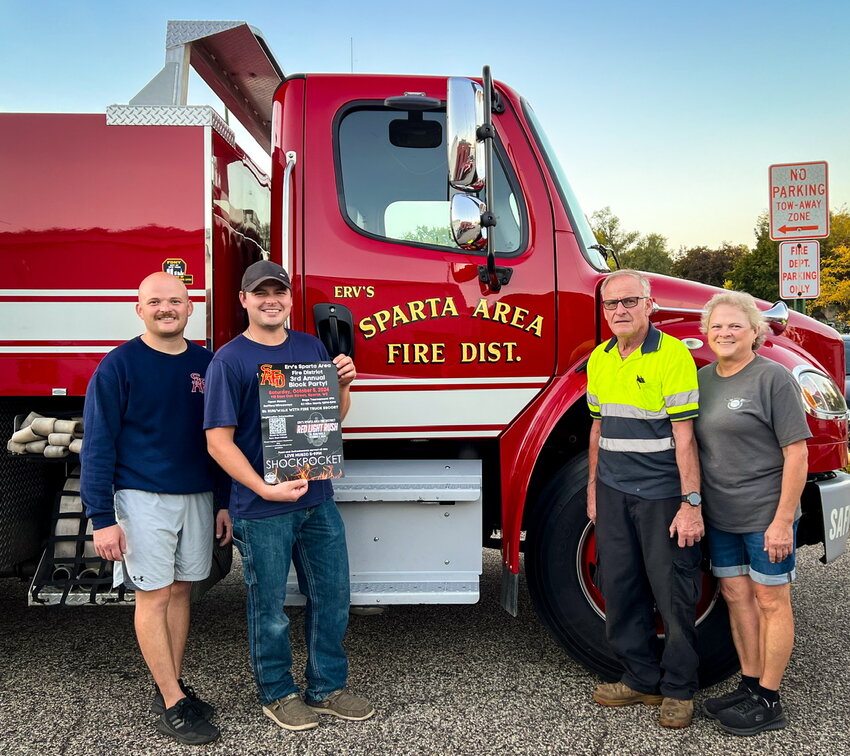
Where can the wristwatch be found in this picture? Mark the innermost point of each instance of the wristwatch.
(693, 498)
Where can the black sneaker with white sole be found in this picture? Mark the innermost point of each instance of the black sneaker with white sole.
(206, 710)
(753, 715)
(182, 722)
(711, 706)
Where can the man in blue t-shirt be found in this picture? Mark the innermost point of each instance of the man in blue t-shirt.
(147, 483)
(293, 520)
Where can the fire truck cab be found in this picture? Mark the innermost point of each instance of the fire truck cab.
(431, 233)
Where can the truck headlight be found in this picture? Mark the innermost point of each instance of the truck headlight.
(821, 396)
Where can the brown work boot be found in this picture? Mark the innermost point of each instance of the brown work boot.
(619, 694)
(676, 713)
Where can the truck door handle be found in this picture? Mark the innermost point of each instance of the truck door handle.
(335, 328)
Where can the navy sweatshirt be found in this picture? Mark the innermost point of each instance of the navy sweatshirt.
(144, 430)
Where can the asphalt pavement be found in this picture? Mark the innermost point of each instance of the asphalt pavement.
(444, 679)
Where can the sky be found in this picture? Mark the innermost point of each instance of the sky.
(669, 112)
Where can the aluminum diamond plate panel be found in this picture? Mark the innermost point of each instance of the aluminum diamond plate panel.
(160, 115)
(181, 32)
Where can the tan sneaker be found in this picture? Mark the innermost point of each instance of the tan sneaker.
(291, 713)
(343, 704)
(676, 713)
(619, 694)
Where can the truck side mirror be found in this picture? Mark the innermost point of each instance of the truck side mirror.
(777, 317)
(467, 230)
(464, 114)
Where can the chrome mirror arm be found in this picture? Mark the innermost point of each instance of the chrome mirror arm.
(486, 133)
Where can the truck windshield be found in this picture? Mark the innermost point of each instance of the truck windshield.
(579, 221)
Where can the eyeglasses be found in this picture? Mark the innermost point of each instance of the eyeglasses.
(628, 302)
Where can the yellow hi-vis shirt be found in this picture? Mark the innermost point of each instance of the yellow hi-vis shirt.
(637, 399)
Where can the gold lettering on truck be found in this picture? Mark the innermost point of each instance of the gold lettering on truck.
(353, 292)
(409, 312)
(421, 353)
(509, 315)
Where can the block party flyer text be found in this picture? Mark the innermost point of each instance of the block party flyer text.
(299, 415)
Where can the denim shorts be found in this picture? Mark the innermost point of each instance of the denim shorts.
(737, 554)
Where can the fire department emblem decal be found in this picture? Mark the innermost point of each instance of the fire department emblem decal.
(176, 266)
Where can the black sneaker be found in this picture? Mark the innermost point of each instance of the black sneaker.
(712, 706)
(183, 723)
(753, 715)
(204, 709)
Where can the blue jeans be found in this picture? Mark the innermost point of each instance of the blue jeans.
(314, 539)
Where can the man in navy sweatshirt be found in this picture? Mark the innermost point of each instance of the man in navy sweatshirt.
(147, 484)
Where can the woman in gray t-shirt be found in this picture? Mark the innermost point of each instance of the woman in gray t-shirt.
(752, 433)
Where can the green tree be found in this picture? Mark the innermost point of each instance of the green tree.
(839, 232)
(758, 271)
(608, 230)
(441, 235)
(834, 300)
(709, 266)
(649, 253)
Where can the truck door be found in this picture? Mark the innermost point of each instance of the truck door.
(438, 354)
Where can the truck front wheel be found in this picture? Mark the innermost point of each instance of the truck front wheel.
(560, 564)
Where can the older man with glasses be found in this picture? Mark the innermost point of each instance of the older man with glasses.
(643, 496)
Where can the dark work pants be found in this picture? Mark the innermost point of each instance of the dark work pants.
(639, 563)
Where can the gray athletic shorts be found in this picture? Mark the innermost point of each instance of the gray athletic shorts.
(169, 537)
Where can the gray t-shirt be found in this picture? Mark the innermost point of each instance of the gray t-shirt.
(745, 419)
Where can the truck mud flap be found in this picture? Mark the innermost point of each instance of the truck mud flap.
(835, 508)
(222, 561)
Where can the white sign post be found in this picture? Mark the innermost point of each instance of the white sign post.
(799, 270)
(799, 201)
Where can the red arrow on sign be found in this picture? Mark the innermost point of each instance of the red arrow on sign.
(786, 229)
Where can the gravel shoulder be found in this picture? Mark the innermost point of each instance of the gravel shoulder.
(445, 680)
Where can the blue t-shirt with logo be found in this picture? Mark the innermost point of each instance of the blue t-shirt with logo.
(232, 398)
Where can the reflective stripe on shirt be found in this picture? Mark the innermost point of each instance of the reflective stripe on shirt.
(681, 399)
(640, 445)
(628, 410)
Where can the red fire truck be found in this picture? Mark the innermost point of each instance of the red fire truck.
(431, 232)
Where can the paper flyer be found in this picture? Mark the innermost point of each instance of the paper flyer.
(299, 416)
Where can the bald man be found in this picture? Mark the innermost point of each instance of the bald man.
(147, 484)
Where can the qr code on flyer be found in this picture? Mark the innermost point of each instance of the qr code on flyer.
(277, 427)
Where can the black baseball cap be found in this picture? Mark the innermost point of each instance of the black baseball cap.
(264, 270)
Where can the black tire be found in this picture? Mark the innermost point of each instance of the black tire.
(556, 557)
